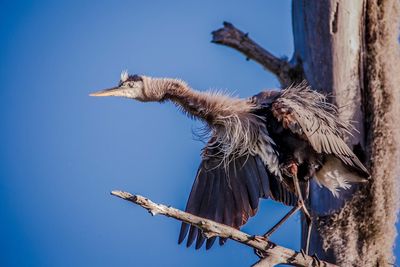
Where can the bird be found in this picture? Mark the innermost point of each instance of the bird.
(270, 145)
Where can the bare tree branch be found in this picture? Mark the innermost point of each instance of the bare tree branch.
(274, 254)
(268, 261)
(234, 38)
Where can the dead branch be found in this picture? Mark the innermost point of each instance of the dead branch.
(234, 38)
(274, 254)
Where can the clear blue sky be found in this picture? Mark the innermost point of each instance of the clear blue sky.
(62, 152)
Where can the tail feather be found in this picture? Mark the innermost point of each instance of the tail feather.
(334, 175)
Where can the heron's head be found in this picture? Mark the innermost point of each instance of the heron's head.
(130, 86)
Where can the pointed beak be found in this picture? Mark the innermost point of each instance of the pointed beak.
(107, 92)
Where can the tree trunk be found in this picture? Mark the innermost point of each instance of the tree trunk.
(350, 50)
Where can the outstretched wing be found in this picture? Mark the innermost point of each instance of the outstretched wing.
(306, 113)
(230, 194)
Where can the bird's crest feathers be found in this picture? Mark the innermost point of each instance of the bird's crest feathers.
(124, 76)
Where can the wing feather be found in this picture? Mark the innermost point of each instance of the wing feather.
(301, 107)
(226, 195)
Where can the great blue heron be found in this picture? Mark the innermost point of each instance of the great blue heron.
(266, 146)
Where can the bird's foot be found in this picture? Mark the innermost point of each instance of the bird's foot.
(316, 260)
(259, 253)
(290, 168)
(303, 253)
(263, 253)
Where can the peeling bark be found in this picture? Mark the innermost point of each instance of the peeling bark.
(354, 56)
(274, 254)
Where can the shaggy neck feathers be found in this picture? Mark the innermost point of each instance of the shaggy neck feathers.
(235, 129)
(208, 106)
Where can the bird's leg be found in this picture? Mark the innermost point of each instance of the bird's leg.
(309, 222)
(291, 170)
(301, 203)
(281, 221)
(309, 228)
(276, 226)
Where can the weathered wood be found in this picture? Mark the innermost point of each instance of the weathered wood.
(350, 49)
(274, 254)
(328, 37)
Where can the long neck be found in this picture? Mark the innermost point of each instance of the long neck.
(235, 129)
(208, 106)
